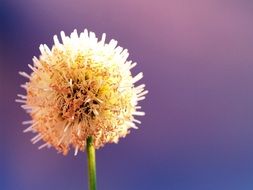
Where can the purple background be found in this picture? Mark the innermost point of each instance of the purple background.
(197, 59)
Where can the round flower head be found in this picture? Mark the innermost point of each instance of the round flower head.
(81, 88)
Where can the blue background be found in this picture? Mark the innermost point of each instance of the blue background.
(197, 59)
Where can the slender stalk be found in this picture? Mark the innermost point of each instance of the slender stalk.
(91, 158)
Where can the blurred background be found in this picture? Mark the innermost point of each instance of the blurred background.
(197, 59)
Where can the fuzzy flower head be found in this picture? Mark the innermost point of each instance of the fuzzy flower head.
(81, 88)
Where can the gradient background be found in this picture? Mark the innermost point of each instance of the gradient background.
(197, 59)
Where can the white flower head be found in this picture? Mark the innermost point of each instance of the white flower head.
(81, 88)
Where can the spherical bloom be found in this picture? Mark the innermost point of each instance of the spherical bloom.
(81, 88)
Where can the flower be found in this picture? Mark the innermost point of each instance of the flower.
(81, 88)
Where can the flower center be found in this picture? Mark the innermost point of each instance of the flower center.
(79, 101)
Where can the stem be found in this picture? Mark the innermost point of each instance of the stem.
(91, 158)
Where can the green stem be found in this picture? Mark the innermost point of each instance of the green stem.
(91, 158)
